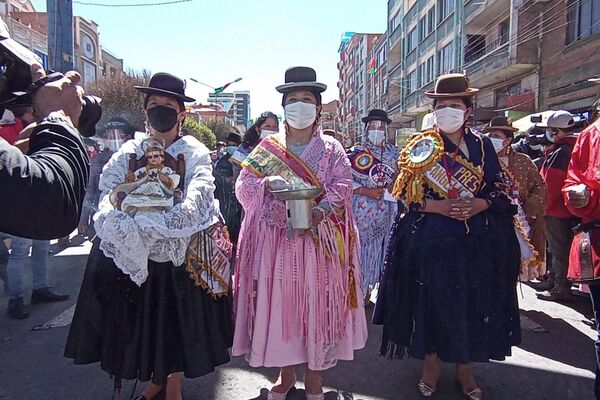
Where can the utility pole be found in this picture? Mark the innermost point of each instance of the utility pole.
(60, 35)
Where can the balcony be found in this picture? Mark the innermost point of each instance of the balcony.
(482, 12)
(494, 64)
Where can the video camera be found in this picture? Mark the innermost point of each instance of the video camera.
(17, 89)
(537, 135)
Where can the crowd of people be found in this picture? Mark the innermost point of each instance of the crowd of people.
(273, 245)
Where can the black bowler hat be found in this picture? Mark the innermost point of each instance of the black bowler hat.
(297, 78)
(452, 86)
(234, 137)
(164, 84)
(377, 115)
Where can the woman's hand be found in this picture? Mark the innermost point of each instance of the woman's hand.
(372, 193)
(459, 209)
(276, 183)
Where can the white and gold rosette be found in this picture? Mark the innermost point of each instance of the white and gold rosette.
(420, 154)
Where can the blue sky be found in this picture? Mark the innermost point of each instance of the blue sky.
(218, 41)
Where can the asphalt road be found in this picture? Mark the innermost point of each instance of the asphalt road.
(555, 360)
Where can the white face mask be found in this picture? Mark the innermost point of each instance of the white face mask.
(300, 115)
(498, 144)
(449, 119)
(376, 136)
(264, 133)
(551, 136)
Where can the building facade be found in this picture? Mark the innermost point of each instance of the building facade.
(426, 40)
(9, 7)
(353, 68)
(236, 105)
(377, 75)
(111, 64)
(32, 36)
(501, 56)
(570, 55)
(523, 55)
(88, 53)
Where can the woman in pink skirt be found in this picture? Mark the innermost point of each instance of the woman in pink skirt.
(297, 296)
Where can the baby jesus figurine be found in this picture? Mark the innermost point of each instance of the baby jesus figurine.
(150, 188)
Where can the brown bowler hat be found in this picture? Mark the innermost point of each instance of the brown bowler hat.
(451, 86)
(500, 123)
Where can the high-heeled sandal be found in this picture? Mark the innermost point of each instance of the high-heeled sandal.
(473, 394)
(279, 396)
(425, 389)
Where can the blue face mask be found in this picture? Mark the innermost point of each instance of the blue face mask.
(231, 149)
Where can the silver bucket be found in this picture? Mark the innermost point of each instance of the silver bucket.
(299, 204)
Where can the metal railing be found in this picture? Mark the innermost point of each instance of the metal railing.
(488, 49)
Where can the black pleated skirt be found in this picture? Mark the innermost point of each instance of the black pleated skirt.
(455, 296)
(166, 325)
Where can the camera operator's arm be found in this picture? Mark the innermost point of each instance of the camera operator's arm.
(42, 192)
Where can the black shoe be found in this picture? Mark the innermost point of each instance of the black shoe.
(16, 309)
(46, 295)
(542, 286)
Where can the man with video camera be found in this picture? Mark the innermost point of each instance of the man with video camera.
(42, 190)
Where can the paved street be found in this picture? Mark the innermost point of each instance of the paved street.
(555, 360)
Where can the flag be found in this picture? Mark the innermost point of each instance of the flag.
(372, 66)
(222, 88)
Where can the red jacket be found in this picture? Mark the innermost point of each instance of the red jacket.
(10, 133)
(554, 172)
(585, 168)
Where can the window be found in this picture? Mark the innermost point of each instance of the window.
(431, 19)
(427, 24)
(412, 81)
(446, 59)
(381, 57)
(411, 40)
(583, 18)
(503, 31)
(429, 71)
(421, 75)
(445, 8)
(396, 22)
(423, 28)
(505, 92)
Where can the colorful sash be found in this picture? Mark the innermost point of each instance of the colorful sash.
(466, 178)
(271, 158)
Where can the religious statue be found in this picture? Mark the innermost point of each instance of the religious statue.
(152, 187)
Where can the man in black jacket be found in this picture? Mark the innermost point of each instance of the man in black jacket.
(42, 191)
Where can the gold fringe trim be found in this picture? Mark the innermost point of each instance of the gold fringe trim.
(410, 183)
(198, 261)
(352, 298)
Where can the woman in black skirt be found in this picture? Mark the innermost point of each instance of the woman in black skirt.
(449, 288)
(139, 314)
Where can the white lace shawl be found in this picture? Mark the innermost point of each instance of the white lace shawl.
(161, 235)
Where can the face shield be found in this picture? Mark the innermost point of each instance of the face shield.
(114, 138)
(376, 131)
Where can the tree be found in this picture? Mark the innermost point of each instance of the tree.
(220, 128)
(201, 132)
(120, 98)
